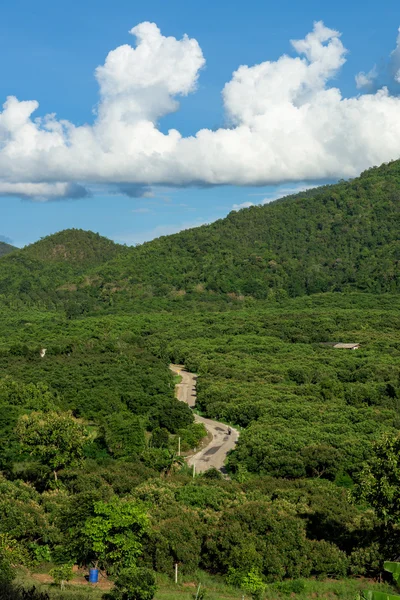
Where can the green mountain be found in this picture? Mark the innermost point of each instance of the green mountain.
(38, 271)
(332, 238)
(327, 239)
(75, 247)
(6, 248)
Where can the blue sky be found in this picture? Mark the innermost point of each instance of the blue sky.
(49, 52)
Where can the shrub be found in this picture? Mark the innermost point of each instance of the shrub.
(133, 584)
(62, 573)
(296, 586)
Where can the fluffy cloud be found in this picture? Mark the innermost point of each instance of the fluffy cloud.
(42, 192)
(286, 123)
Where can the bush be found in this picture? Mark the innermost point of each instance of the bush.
(7, 573)
(11, 554)
(62, 573)
(328, 560)
(212, 473)
(296, 586)
(133, 584)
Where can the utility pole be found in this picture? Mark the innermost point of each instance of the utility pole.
(176, 572)
(179, 446)
(194, 470)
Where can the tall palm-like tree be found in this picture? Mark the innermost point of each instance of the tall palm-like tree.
(173, 460)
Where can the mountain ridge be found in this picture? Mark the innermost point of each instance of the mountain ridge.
(334, 238)
(325, 239)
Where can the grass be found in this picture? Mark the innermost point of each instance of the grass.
(71, 592)
(216, 589)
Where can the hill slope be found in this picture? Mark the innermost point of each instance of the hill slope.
(328, 239)
(6, 248)
(338, 237)
(82, 249)
(36, 272)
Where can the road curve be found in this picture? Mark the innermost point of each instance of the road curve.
(215, 453)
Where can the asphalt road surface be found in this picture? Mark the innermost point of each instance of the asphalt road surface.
(215, 453)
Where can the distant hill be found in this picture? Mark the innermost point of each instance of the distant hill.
(76, 247)
(6, 248)
(39, 271)
(333, 238)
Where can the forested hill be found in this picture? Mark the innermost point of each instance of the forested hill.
(83, 249)
(340, 236)
(38, 271)
(6, 248)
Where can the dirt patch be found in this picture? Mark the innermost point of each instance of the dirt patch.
(78, 580)
(42, 577)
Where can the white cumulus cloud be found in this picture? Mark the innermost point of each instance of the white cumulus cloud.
(287, 122)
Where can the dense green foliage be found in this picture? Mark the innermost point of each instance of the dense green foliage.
(46, 270)
(333, 238)
(253, 303)
(309, 413)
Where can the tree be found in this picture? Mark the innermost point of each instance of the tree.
(321, 460)
(115, 533)
(379, 481)
(160, 438)
(56, 439)
(33, 396)
(124, 434)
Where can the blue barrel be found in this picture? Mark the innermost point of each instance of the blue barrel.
(93, 575)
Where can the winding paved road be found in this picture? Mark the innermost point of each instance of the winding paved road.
(215, 453)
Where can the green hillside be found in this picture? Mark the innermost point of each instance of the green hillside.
(329, 239)
(333, 238)
(82, 249)
(39, 272)
(6, 248)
